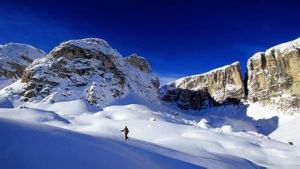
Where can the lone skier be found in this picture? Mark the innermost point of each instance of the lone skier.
(126, 131)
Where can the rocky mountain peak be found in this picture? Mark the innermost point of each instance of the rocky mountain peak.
(139, 62)
(87, 69)
(88, 44)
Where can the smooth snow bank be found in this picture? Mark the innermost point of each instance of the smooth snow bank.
(288, 132)
(5, 82)
(34, 115)
(216, 142)
(5, 103)
(40, 146)
(25, 145)
(287, 127)
(67, 108)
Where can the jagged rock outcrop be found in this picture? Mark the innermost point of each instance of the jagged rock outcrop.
(219, 86)
(139, 62)
(88, 69)
(274, 76)
(14, 58)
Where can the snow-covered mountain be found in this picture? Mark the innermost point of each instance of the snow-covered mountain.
(49, 118)
(14, 58)
(87, 69)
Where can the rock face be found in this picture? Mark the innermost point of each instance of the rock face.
(14, 58)
(274, 76)
(139, 62)
(91, 70)
(88, 69)
(273, 79)
(219, 86)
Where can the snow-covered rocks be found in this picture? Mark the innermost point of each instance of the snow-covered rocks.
(14, 58)
(215, 87)
(226, 129)
(139, 62)
(87, 69)
(203, 123)
(94, 44)
(274, 76)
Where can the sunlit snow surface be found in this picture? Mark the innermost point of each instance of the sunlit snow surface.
(75, 135)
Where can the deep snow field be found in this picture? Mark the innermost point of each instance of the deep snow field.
(76, 135)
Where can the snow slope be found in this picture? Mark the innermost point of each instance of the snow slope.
(25, 145)
(19, 53)
(160, 135)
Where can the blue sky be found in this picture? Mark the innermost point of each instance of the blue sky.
(178, 38)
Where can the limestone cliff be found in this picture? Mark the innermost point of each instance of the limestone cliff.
(218, 86)
(274, 76)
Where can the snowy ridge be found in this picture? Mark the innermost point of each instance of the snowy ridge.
(91, 44)
(282, 48)
(18, 54)
(287, 46)
(14, 58)
(179, 81)
(14, 51)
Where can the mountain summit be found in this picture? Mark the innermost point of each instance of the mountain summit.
(87, 69)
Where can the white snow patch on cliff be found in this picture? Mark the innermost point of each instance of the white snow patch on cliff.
(91, 44)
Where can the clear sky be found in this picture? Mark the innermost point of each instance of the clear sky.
(178, 38)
